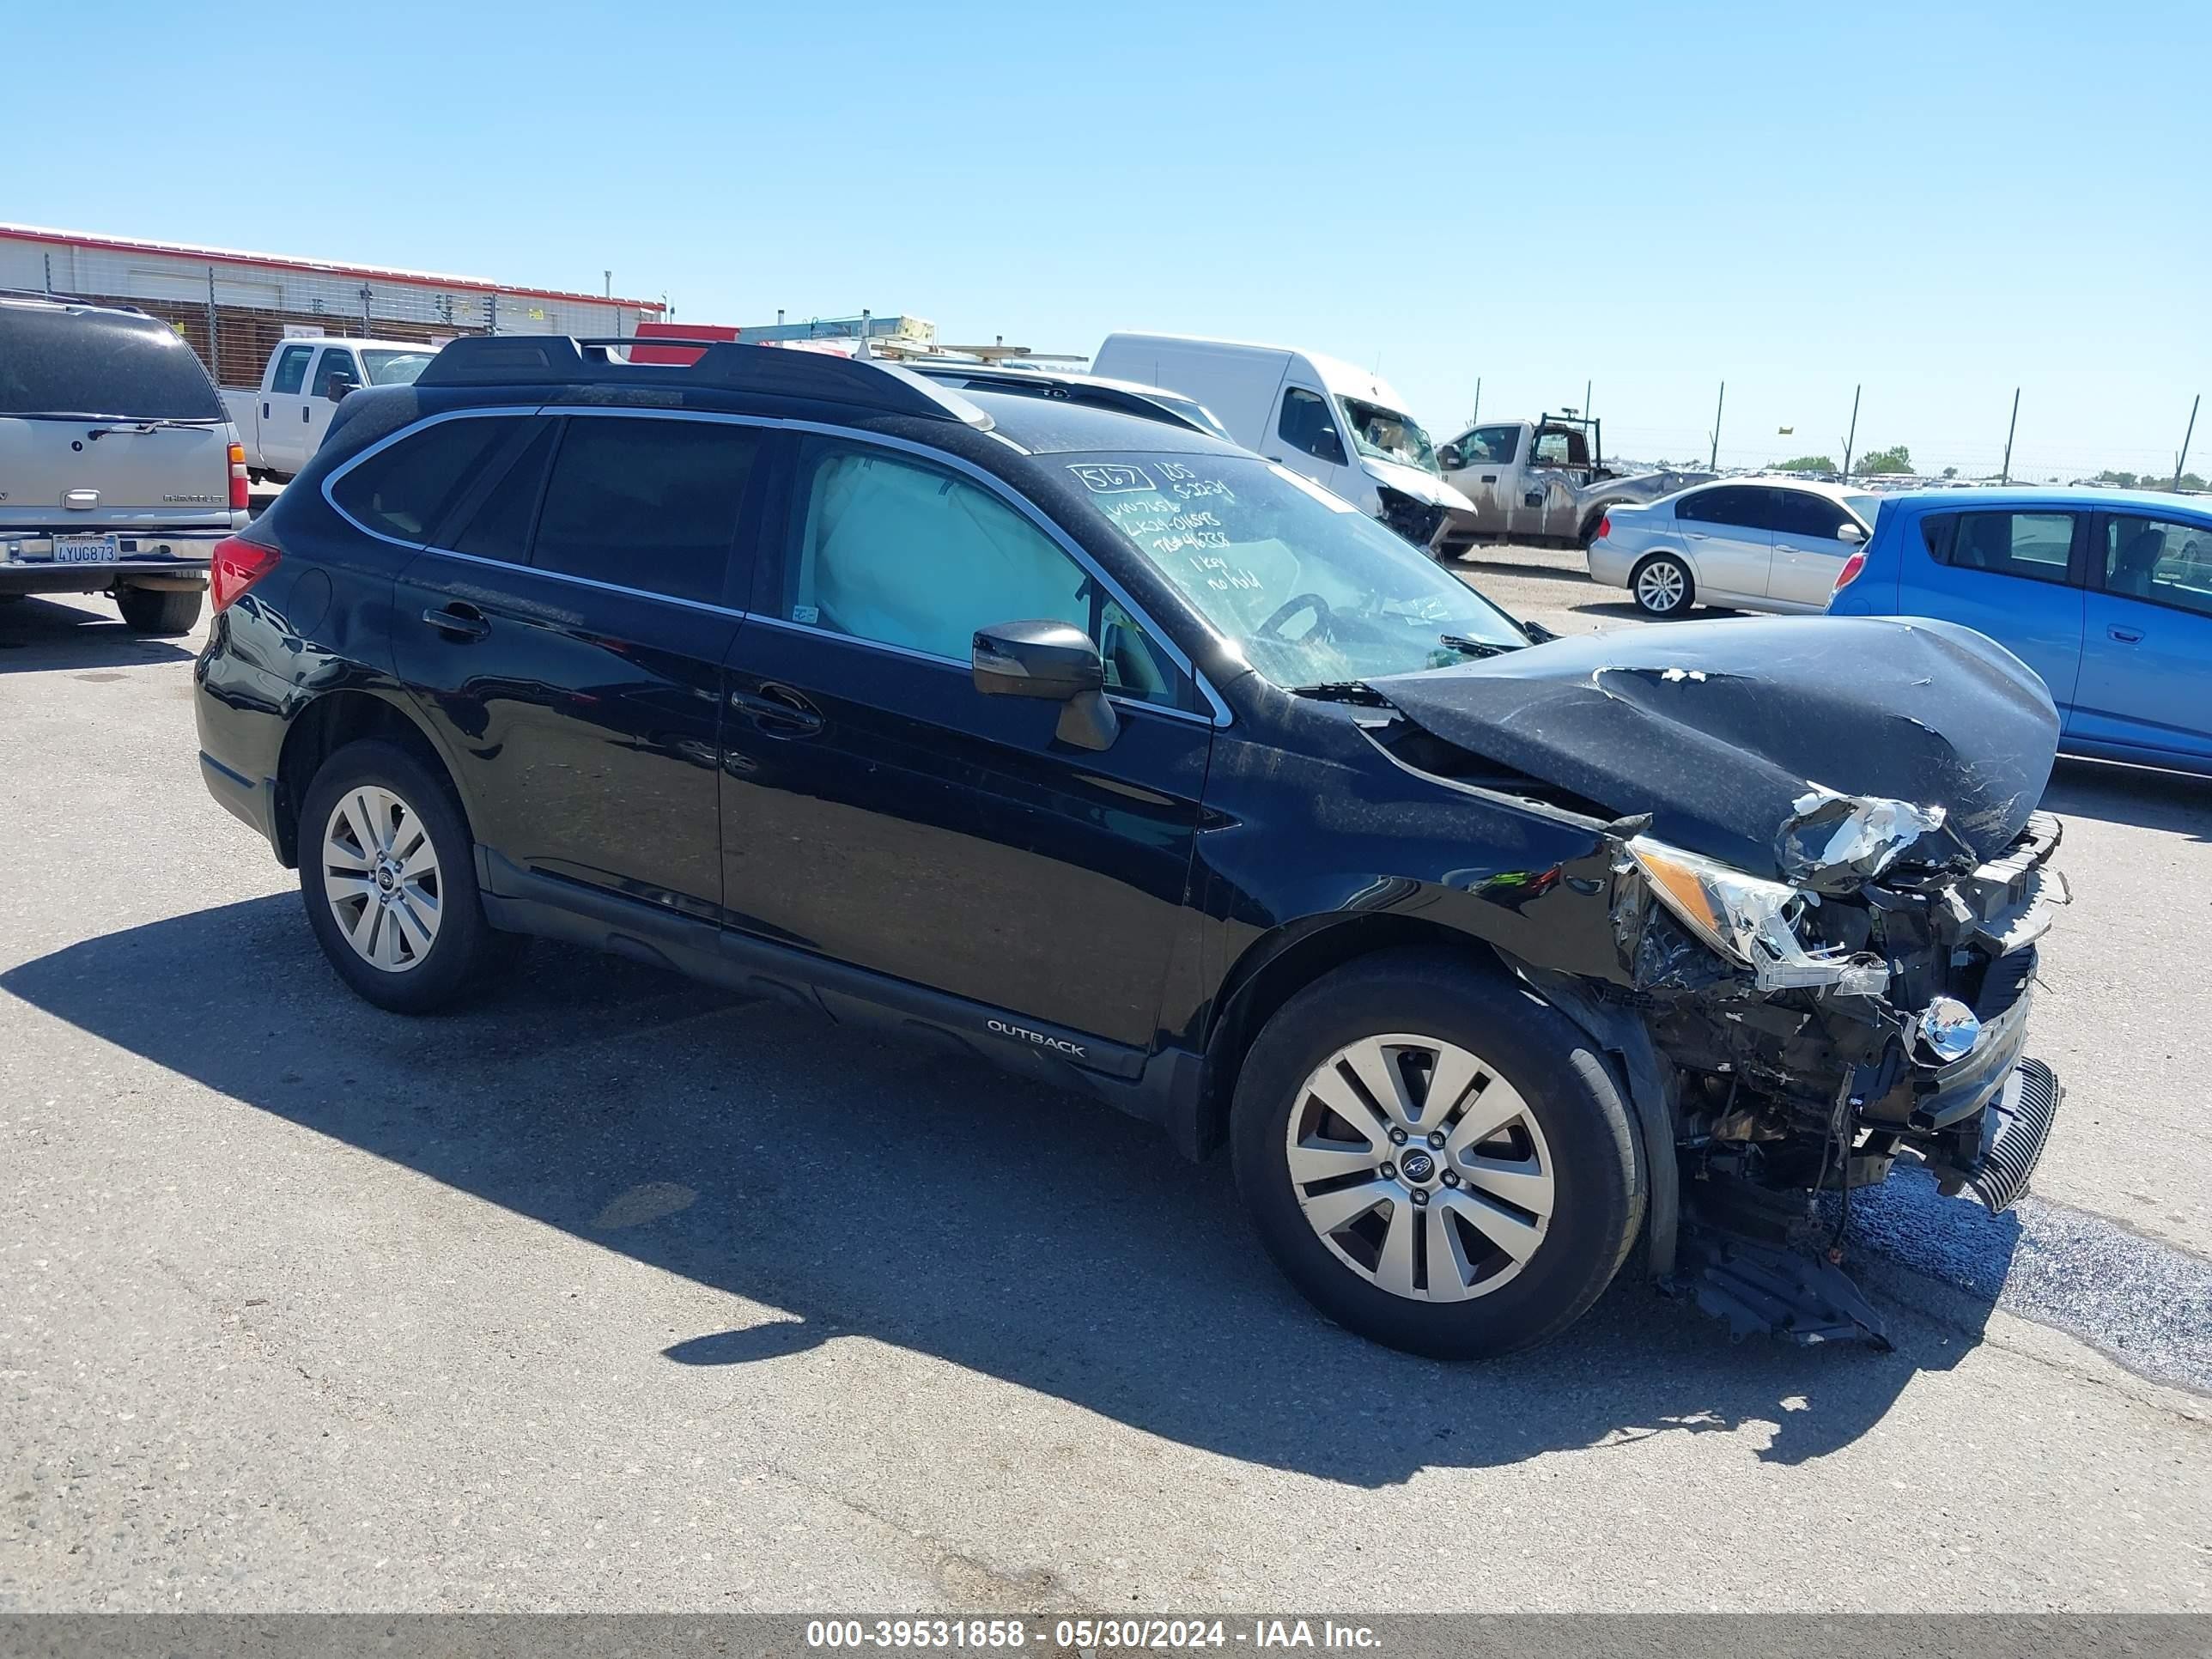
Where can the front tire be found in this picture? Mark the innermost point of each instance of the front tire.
(1439, 1160)
(159, 611)
(387, 872)
(1662, 587)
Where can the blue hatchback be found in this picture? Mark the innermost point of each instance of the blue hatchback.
(2107, 594)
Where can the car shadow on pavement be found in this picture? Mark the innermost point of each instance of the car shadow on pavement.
(870, 1189)
(38, 634)
(2176, 803)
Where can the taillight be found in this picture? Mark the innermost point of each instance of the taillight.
(1850, 573)
(238, 496)
(235, 565)
(1604, 527)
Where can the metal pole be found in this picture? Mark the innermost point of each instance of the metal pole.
(2182, 459)
(1849, 441)
(2006, 476)
(366, 329)
(1475, 419)
(491, 314)
(1714, 464)
(610, 275)
(214, 354)
(1586, 395)
(49, 273)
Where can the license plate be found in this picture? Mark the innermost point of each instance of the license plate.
(87, 549)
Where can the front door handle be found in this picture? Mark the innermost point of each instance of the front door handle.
(778, 711)
(307, 411)
(265, 411)
(462, 622)
(2124, 635)
(1489, 477)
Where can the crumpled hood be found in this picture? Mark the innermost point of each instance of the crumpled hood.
(1730, 733)
(1424, 487)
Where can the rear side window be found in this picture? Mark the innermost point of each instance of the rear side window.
(1802, 513)
(647, 503)
(2036, 545)
(291, 370)
(2159, 560)
(1741, 505)
(405, 490)
(54, 362)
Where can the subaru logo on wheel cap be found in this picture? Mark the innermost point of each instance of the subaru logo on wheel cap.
(1418, 1165)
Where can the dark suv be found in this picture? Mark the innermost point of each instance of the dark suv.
(1102, 748)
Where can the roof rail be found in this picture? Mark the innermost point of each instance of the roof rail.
(71, 300)
(562, 360)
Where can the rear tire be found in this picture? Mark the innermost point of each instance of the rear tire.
(1498, 1238)
(387, 872)
(159, 611)
(1662, 587)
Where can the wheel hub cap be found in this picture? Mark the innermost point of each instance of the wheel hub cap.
(1420, 1168)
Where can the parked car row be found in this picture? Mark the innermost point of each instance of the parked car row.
(2106, 595)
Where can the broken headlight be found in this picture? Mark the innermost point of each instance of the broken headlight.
(1750, 919)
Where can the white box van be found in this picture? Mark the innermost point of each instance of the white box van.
(1338, 425)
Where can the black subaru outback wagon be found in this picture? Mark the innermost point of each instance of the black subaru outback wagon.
(1035, 721)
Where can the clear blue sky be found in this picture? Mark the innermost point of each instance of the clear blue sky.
(1942, 202)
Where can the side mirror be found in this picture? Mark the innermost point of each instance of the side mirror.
(1450, 460)
(1054, 661)
(1850, 535)
(339, 387)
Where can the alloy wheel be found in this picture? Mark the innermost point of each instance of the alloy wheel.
(381, 878)
(1661, 585)
(1421, 1168)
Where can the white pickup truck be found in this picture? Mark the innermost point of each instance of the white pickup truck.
(282, 421)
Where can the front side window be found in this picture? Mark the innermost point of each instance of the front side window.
(291, 370)
(405, 489)
(1305, 426)
(1311, 591)
(646, 503)
(2036, 545)
(1809, 517)
(899, 553)
(1388, 435)
(335, 367)
(1491, 446)
(1743, 506)
(2165, 562)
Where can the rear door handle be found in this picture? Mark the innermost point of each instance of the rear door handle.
(2124, 635)
(1489, 477)
(778, 711)
(265, 411)
(462, 622)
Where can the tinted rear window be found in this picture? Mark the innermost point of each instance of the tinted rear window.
(64, 363)
(645, 503)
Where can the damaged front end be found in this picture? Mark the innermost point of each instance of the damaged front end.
(1827, 885)
(1818, 1031)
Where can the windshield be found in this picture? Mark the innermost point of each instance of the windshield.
(1311, 589)
(1865, 506)
(100, 365)
(1388, 435)
(395, 367)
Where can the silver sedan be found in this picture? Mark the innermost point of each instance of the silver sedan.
(1747, 543)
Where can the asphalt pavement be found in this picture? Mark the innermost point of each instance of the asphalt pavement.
(618, 1293)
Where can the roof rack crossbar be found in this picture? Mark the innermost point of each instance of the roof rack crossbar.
(732, 365)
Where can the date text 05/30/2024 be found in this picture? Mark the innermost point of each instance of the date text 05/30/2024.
(1094, 1635)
